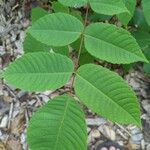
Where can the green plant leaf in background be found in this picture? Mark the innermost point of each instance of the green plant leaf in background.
(147, 52)
(127, 67)
(139, 20)
(86, 58)
(108, 7)
(75, 45)
(103, 39)
(146, 10)
(58, 29)
(37, 13)
(39, 71)
(95, 17)
(58, 7)
(143, 38)
(107, 94)
(62, 50)
(30, 44)
(58, 125)
(76, 14)
(73, 3)
(147, 65)
(147, 69)
(126, 17)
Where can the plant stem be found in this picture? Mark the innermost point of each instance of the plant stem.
(81, 44)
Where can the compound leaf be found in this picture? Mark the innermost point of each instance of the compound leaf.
(113, 44)
(58, 125)
(146, 10)
(58, 29)
(73, 3)
(107, 94)
(39, 71)
(108, 7)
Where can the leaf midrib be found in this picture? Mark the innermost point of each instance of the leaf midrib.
(101, 92)
(11, 74)
(61, 124)
(70, 32)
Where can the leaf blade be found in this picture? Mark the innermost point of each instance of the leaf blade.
(143, 38)
(58, 29)
(39, 71)
(103, 39)
(109, 7)
(30, 44)
(73, 3)
(37, 13)
(146, 10)
(126, 17)
(139, 20)
(64, 130)
(105, 93)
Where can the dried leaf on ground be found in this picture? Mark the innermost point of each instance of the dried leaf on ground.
(13, 145)
(2, 147)
(17, 124)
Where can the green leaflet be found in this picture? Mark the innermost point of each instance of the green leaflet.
(73, 3)
(32, 45)
(147, 69)
(95, 17)
(108, 7)
(58, 125)
(77, 14)
(58, 7)
(126, 17)
(147, 66)
(39, 71)
(146, 10)
(86, 58)
(143, 38)
(37, 13)
(62, 50)
(139, 20)
(113, 44)
(58, 29)
(107, 94)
